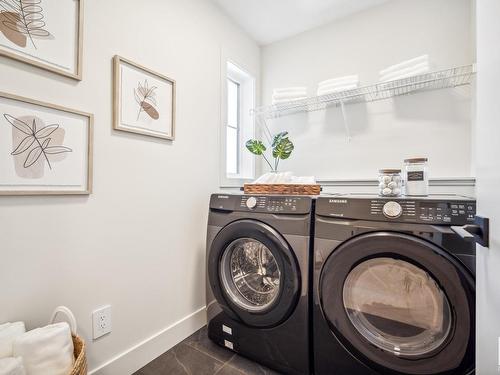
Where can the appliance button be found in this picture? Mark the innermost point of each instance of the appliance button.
(251, 202)
(461, 212)
(392, 209)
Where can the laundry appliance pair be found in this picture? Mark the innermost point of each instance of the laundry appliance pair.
(343, 284)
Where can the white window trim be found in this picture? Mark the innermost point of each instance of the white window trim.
(247, 131)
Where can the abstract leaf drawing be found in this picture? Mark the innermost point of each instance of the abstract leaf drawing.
(21, 20)
(145, 97)
(37, 141)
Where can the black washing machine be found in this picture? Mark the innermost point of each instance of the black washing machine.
(394, 286)
(258, 278)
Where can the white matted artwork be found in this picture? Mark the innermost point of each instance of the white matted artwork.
(144, 101)
(44, 148)
(44, 33)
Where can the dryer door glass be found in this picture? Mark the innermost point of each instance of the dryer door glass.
(397, 306)
(250, 274)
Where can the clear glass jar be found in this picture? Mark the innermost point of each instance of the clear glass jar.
(416, 177)
(390, 182)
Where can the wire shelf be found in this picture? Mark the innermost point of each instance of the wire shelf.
(441, 79)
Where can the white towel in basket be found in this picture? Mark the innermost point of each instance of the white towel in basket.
(47, 350)
(8, 333)
(12, 366)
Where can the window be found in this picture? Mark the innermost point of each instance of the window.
(238, 125)
(233, 127)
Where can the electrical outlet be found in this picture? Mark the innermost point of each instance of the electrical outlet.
(101, 320)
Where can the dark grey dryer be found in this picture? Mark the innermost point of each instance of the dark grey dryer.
(258, 259)
(394, 286)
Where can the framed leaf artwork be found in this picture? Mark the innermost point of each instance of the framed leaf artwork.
(44, 148)
(144, 101)
(44, 33)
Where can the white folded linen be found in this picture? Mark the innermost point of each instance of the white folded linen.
(12, 366)
(289, 95)
(409, 70)
(284, 178)
(406, 74)
(331, 90)
(340, 81)
(8, 333)
(287, 90)
(405, 64)
(281, 101)
(47, 350)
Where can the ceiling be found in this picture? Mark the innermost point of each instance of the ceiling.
(268, 21)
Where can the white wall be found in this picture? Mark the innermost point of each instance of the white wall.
(488, 181)
(137, 242)
(435, 124)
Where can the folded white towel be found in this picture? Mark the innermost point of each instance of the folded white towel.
(340, 80)
(12, 366)
(334, 89)
(47, 350)
(402, 72)
(290, 95)
(8, 333)
(286, 90)
(405, 64)
(407, 74)
(281, 101)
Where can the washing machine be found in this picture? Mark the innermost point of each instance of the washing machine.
(258, 278)
(394, 285)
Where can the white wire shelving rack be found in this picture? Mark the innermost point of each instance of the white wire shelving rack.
(446, 78)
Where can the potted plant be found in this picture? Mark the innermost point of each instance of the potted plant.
(281, 148)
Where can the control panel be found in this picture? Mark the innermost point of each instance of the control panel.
(420, 210)
(272, 204)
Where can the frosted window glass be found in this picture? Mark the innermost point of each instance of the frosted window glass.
(232, 150)
(232, 103)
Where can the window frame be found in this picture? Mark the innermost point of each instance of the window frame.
(247, 100)
(237, 127)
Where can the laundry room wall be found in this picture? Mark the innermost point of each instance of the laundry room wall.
(138, 242)
(435, 124)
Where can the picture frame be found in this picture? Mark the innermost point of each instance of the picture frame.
(45, 149)
(144, 101)
(51, 40)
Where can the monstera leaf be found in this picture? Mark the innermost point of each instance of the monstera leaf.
(283, 149)
(278, 137)
(255, 147)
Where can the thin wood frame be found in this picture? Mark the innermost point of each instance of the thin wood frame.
(117, 60)
(79, 58)
(90, 148)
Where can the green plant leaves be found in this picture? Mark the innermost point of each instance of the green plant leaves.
(278, 137)
(255, 147)
(283, 149)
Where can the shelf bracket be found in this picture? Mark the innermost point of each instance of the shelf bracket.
(346, 122)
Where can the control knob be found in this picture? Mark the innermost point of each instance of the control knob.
(392, 210)
(251, 202)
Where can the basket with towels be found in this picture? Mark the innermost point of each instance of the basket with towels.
(51, 350)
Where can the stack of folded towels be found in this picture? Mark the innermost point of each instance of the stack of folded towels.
(42, 351)
(338, 84)
(289, 94)
(405, 69)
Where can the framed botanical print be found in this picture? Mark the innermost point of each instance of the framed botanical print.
(44, 33)
(45, 149)
(144, 101)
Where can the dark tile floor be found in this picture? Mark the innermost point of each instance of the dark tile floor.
(198, 355)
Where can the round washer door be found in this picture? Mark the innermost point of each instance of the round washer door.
(400, 304)
(253, 273)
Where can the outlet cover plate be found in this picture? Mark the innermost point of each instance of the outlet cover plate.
(101, 321)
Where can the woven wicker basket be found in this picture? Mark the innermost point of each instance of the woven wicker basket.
(80, 367)
(289, 189)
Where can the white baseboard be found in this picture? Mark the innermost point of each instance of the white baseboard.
(144, 352)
